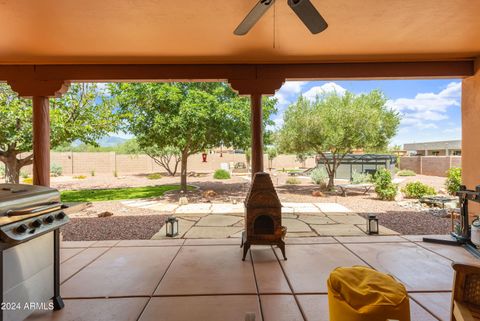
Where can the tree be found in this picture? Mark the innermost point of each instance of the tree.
(272, 153)
(79, 115)
(186, 117)
(334, 125)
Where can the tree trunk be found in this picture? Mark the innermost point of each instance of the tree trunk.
(331, 180)
(12, 169)
(183, 173)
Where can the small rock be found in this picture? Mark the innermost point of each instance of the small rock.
(105, 214)
(317, 193)
(209, 194)
(183, 200)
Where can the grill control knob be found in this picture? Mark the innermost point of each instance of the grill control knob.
(36, 223)
(60, 216)
(49, 219)
(22, 228)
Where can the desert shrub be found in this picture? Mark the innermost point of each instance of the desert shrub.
(384, 187)
(24, 175)
(361, 178)
(293, 181)
(154, 176)
(27, 180)
(56, 170)
(417, 190)
(319, 176)
(221, 174)
(92, 172)
(79, 176)
(2, 170)
(406, 172)
(454, 180)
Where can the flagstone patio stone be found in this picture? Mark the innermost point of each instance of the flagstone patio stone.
(320, 220)
(201, 208)
(337, 230)
(183, 227)
(349, 219)
(332, 207)
(164, 207)
(198, 232)
(218, 220)
(382, 230)
(295, 226)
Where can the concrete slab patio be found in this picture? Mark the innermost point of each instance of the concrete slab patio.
(219, 220)
(197, 279)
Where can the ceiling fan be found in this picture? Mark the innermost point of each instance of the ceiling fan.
(303, 8)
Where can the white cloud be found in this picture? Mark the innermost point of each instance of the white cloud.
(289, 92)
(425, 108)
(329, 87)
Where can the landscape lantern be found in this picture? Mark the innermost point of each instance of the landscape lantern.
(372, 224)
(171, 227)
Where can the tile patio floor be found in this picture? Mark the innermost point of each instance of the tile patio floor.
(206, 280)
(225, 220)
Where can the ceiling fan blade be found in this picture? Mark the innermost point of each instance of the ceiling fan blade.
(309, 15)
(253, 16)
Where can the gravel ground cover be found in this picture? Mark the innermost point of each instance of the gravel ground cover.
(139, 227)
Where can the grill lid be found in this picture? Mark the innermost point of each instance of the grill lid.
(20, 196)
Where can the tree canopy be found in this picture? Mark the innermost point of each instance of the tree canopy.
(80, 114)
(338, 124)
(185, 118)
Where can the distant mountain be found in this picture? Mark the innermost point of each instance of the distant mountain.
(110, 141)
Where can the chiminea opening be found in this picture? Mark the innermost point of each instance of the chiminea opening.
(263, 225)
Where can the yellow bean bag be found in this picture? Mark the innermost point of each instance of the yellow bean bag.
(361, 294)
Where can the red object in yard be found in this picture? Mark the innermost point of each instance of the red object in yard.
(204, 157)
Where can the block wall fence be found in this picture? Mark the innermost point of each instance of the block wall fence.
(430, 165)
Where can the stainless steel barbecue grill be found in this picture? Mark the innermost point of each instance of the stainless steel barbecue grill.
(30, 218)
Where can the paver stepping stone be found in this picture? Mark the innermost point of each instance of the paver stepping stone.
(194, 209)
(294, 225)
(199, 232)
(183, 227)
(337, 230)
(332, 207)
(218, 220)
(320, 220)
(303, 207)
(226, 208)
(287, 215)
(163, 207)
(382, 230)
(349, 219)
(301, 234)
(287, 210)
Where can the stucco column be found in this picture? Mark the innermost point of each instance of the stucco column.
(257, 133)
(470, 133)
(41, 141)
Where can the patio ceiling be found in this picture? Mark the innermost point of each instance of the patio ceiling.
(192, 31)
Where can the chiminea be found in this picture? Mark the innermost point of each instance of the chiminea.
(263, 215)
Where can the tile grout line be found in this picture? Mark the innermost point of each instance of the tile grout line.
(158, 284)
(90, 262)
(256, 286)
(425, 308)
(289, 285)
(83, 250)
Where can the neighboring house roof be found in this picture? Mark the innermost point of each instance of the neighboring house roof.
(447, 144)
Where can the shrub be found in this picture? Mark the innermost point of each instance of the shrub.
(293, 181)
(221, 174)
(92, 172)
(319, 176)
(406, 172)
(56, 170)
(417, 190)
(384, 187)
(80, 177)
(361, 178)
(27, 180)
(2, 170)
(154, 176)
(454, 180)
(24, 174)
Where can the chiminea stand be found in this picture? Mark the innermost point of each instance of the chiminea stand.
(462, 238)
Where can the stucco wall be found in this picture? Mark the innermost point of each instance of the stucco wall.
(430, 165)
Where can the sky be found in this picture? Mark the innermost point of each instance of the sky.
(430, 109)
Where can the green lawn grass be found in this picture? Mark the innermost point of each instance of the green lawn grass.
(97, 195)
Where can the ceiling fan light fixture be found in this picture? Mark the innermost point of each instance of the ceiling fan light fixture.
(309, 15)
